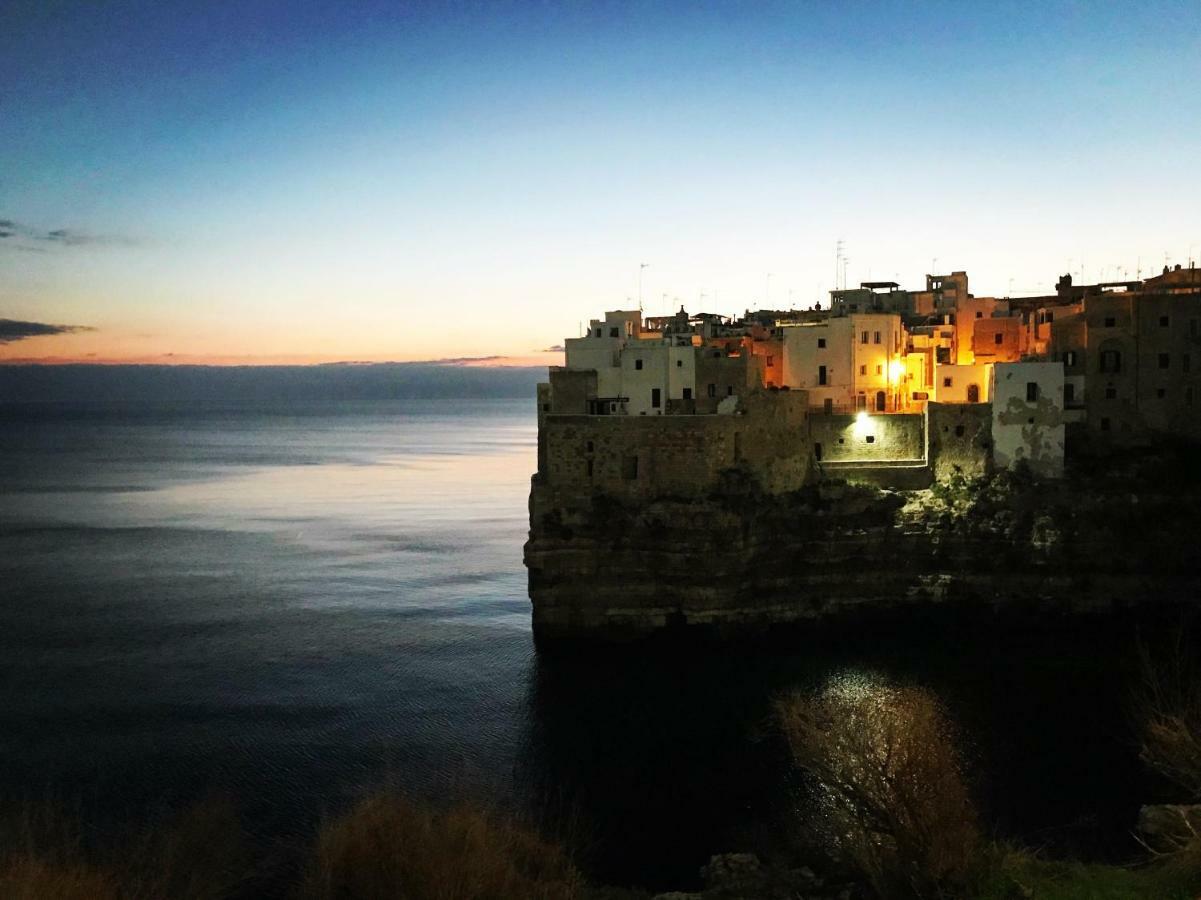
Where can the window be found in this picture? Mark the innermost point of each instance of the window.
(879, 370)
(613, 332)
(598, 332)
(1069, 393)
(771, 361)
(958, 431)
(863, 370)
(1163, 321)
(1069, 358)
(946, 382)
(679, 363)
(876, 338)
(979, 315)
(828, 407)
(1111, 392)
(863, 338)
(1109, 321)
(729, 390)
(629, 467)
(656, 398)
(687, 393)
(590, 446)
(821, 374)
(1163, 360)
(973, 393)
(712, 390)
(998, 338)
(1031, 391)
(1050, 316)
(817, 452)
(546, 407)
(881, 400)
(821, 342)
(1105, 424)
(1111, 361)
(638, 364)
(1161, 393)
(871, 438)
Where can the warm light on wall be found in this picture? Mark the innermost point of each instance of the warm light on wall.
(863, 424)
(896, 370)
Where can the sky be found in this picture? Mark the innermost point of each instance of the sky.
(279, 182)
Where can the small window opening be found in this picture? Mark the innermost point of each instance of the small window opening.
(1031, 391)
(629, 468)
(958, 431)
(638, 364)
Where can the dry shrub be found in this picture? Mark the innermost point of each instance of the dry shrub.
(889, 772)
(1167, 706)
(390, 846)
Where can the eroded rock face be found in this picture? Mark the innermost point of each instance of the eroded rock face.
(737, 559)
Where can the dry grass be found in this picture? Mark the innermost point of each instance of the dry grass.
(26, 877)
(886, 763)
(199, 854)
(389, 846)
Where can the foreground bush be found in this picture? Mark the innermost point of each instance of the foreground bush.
(886, 766)
(388, 846)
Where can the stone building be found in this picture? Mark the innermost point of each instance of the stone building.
(1130, 357)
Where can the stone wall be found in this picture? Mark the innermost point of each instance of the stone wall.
(960, 438)
(882, 438)
(641, 457)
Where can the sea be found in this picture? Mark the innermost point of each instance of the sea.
(291, 604)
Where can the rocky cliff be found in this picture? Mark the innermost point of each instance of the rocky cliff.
(737, 558)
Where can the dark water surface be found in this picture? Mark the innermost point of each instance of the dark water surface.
(288, 605)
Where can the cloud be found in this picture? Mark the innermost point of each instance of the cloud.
(13, 330)
(62, 237)
(557, 348)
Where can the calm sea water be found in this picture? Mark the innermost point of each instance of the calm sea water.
(288, 605)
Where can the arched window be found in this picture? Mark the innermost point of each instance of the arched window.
(880, 401)
(973, 393)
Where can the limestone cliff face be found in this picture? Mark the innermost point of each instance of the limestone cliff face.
(737, 559)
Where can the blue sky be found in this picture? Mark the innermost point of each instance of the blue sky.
(370, 181)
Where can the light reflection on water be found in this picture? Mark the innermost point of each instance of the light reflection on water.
(290, 605)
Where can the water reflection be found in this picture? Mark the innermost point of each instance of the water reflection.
(670, 753)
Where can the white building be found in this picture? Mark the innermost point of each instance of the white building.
(1027, 416)
(848, 362)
